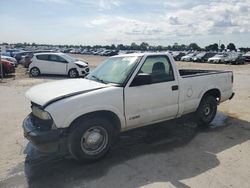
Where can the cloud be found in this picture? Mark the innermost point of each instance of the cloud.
(208, 18)
(173, 20)
(104, 21)
(108, 4)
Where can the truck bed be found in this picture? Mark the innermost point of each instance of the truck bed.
(184, 73)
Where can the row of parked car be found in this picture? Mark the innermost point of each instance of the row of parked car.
(49, 60)
(101, 51)
(211, 57)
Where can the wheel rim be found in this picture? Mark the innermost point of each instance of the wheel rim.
(34, 72)
(72, 74)
(94, 140)
(208, 111)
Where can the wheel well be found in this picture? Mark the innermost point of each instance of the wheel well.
(213, 92)
(72, 69)
(112, 117)
(35, 67)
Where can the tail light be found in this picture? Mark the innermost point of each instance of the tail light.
(232, 78)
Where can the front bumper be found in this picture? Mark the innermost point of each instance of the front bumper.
(49, 141)
(84, 71)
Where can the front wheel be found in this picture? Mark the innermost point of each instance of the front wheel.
(91, 139)
(73, 73)
(206, 111)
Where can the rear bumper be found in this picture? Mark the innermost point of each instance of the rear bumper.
(49, 141)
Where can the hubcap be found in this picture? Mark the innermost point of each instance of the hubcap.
(94, 140)
(72, 73)
(34, 72)
(207, 110)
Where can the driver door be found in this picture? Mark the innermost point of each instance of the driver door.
(58, 65)
(149, 103)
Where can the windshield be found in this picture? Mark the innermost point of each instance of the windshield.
(69, 58)
(114, 70)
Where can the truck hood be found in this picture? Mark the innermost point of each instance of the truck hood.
(44, 94)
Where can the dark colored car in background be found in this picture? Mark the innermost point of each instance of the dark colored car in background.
(177, 56)
(111, 52)
(207, 56)
(12, 52)
(25, 57)
(8, 67)
(19, 55)
(240, 60)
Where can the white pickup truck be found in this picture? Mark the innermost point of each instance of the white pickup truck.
(84, 116)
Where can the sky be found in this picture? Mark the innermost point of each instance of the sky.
(157, 22)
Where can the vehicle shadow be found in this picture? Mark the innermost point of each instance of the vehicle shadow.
(165, 152)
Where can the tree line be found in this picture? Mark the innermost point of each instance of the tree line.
(142, 47)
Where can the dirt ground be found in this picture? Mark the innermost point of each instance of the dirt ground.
(171, 154)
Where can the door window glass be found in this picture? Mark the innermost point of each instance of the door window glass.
(43, 57)
(159, 67)
(53, 58)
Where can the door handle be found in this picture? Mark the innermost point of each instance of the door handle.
(175, 87)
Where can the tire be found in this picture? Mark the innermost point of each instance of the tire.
(84, 131)
(206, 111)
(34, 72)
(73, 73)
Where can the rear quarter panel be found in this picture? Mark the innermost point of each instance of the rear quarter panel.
(194, 87)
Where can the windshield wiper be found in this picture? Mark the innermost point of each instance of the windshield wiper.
(98, 79)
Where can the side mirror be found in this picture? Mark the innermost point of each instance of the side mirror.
(142, 79)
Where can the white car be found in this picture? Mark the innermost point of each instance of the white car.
(85, 116)
(57, 63)
(220, 58)
(247, 56)
(187, 57)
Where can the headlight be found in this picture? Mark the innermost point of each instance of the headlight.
(80, 66)
(40, 113)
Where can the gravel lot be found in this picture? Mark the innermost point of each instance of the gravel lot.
(170, 154)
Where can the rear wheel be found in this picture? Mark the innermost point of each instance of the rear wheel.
(206, 111)
(73, 73)
(91, 139)
(35, 72)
